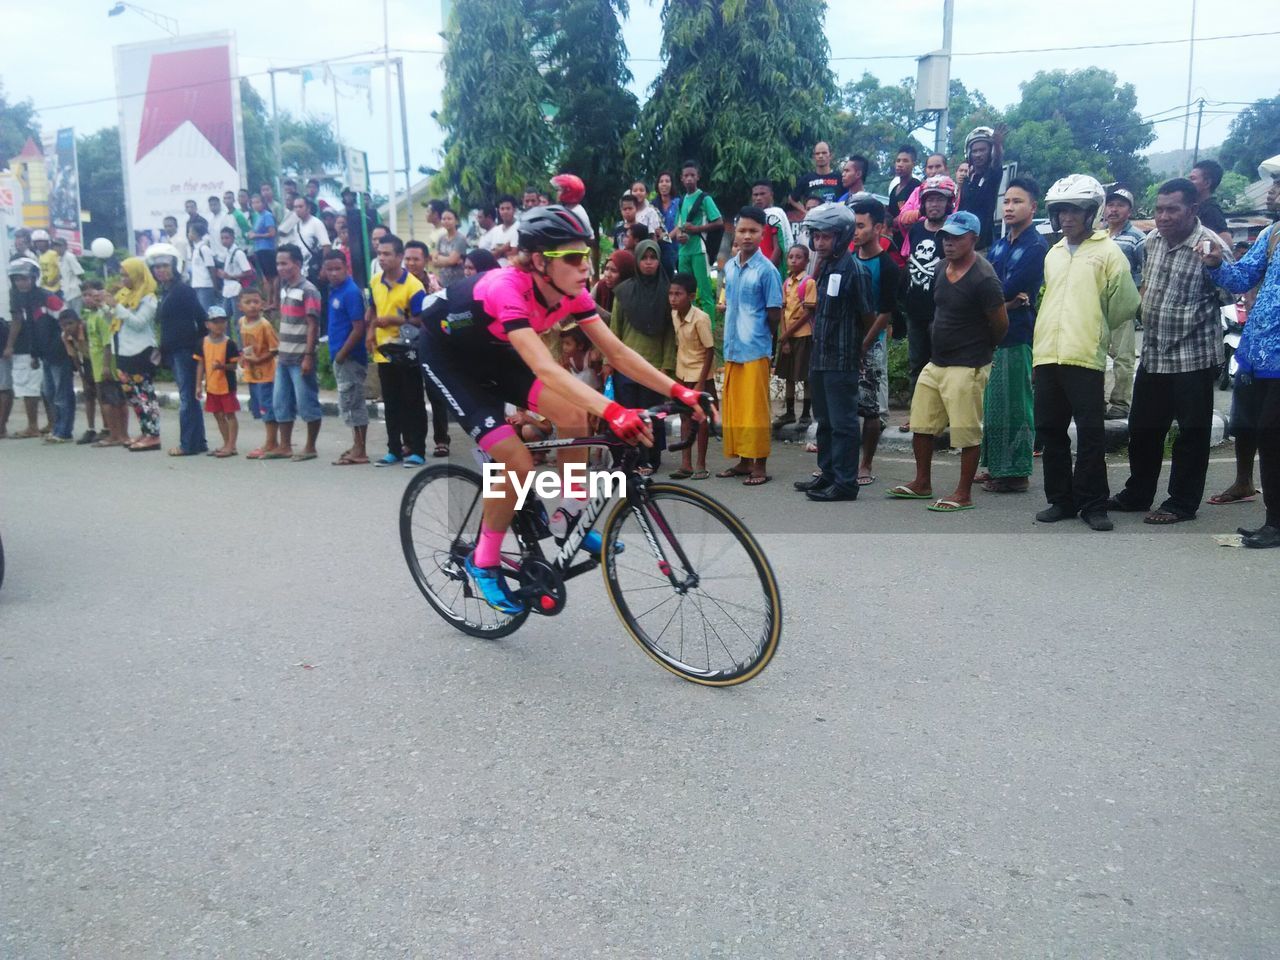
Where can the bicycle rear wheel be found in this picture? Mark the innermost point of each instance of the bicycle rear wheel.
(439, 522)
(719, 624)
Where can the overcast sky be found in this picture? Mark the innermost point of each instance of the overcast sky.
(282, 35)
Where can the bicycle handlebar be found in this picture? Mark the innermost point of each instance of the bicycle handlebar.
(705, 401)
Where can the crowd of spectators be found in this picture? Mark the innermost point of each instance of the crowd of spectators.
(1010, 322)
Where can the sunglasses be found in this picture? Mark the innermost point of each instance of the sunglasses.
(573, 258)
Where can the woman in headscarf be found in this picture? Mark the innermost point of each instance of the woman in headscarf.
(620, 266)
(478, 261)
(641, 319)
(133, 343)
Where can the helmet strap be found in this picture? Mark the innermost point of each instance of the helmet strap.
(547, 277)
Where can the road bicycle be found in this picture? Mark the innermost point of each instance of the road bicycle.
(685, 576)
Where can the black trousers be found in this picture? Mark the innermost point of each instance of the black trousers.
(919, 345)
(404, 407)
(1267, 397)
(1063, 393)
(439, 412)
(1158, 400)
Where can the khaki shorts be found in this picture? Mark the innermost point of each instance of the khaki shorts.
(950, 396)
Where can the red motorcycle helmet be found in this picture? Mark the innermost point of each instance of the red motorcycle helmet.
(570, 187)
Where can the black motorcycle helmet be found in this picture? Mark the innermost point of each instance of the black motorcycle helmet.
(545, 228)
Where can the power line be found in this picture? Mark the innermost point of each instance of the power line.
(1085, 46)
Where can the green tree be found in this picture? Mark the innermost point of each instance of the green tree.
(496, 136)
(1254, 136)
(745, 89)
(102, 186)
(874, 120)
(17, 122)
(584, 60)
(1082, 121)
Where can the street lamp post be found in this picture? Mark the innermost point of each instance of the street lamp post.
(168, 24)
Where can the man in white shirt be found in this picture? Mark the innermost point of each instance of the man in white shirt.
(203, 263)
(504, 238)
(307, 233)
(218, 218)
(71, 272)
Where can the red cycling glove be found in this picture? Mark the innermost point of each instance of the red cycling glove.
(686, 395)
(625, 422)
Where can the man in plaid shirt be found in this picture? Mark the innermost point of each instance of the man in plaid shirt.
(1179, 361)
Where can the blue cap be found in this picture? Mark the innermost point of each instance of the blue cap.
(962, 222)
(215, 313)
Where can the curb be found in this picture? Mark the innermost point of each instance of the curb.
(891, 440)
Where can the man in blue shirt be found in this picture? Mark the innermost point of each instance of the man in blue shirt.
(348, 352)
(753, 307)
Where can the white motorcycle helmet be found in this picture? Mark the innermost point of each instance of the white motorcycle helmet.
(1269, 169)
(977, 134)
(160, 251)
(1078, 190)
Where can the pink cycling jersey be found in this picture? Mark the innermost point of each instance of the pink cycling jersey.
(510, 300)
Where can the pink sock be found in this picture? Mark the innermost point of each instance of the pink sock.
(489, 547)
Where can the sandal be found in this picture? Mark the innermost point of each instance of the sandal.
(730, 472)
(681, 474)
(299, 457)
(1164, 518)
(866, 481)
(753, 481)
(27, 434)
(346, 460)
(700, 475)
(903, 492)
(949, 506)
(1221, 499)
(142, 447)
(179, 452)
(441, 450)
(1006, 485)
(223, 454)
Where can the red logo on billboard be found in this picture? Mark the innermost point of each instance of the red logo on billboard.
(190, 85)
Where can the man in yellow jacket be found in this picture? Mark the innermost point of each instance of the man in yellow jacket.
(1088, 292)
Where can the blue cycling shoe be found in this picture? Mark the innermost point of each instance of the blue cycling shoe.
(593, 543)
(493, 587)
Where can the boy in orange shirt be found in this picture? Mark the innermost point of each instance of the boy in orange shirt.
(216, 379)
(258, 361)
(795, 339)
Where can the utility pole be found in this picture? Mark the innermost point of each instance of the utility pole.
(391, 147)
(1191, 61)
(944, 118)
(404, 142)
(275, 132)
(1199, 117)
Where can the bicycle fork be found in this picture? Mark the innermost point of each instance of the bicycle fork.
(647, 511)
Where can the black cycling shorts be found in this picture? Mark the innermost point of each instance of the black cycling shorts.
(477, 376)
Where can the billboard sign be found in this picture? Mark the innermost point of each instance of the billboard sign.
(64, 188)
(180, 132)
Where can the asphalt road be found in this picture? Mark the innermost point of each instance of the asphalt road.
(230, 727)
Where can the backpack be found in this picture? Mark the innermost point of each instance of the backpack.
(712, 238)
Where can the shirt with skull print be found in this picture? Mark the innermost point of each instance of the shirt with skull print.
(922, 263)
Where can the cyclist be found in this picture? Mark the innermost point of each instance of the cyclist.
(481, 345)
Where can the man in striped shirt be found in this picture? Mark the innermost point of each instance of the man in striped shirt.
(297, 392)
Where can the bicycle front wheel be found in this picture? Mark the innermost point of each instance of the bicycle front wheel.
(699, 597)
(439, 523)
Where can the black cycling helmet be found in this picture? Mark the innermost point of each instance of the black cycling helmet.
(545, 228)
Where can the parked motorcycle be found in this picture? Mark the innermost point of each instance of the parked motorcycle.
(1233, 318)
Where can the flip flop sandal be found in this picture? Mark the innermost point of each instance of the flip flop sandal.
(146, 449)
(730, 472)
(441, 450)
(680, 474)
(299, 457)
(345, 461)
(223, 454)
(274, 456)
(866, 481)
(1163, 518)
(700, 475)
(1222, 499)
(179, 452)
(756, 481)
(949, 506)
(903, 492)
